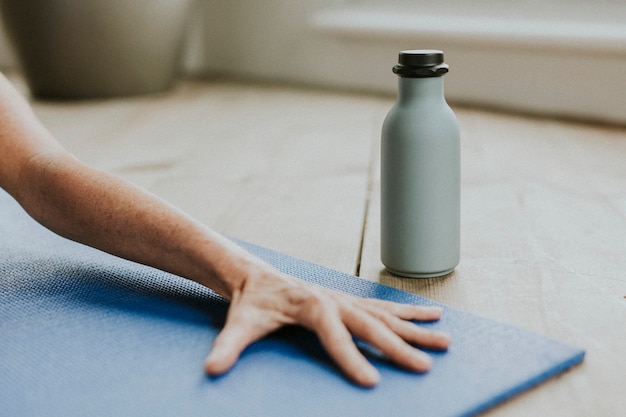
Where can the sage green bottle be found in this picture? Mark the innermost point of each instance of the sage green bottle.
(420, 172)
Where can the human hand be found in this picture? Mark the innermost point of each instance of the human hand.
(270, 300)
(125, 221)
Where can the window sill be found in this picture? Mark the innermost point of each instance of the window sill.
(542, 33)
(572, 68)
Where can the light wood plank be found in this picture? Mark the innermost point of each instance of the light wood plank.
(281, 167)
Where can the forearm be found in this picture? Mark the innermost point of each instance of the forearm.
(104, 212)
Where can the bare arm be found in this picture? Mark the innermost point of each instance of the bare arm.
(104, 212)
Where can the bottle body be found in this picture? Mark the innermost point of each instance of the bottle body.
(420, 182)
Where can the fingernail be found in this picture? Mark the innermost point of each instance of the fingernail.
(371, 377)
(212, 365)
(208, 366)
(423, 361)
(444, 340)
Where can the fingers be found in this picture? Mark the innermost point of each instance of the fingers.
(338, 342)
(335, 323)
(239, 332)
(408, 331)
(407, 311)
(225, 351)
(378, 334)
(335, 318)
(417, 335)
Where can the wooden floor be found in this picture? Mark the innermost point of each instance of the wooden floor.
(543, 213)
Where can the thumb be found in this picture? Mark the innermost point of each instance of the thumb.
(236, 335)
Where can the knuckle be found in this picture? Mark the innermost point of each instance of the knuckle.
(313, 307)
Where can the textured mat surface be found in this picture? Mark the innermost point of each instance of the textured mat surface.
(83, 333)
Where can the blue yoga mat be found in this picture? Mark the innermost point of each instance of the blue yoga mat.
(83, 333)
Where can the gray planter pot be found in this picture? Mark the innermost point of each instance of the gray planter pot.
(72, 49)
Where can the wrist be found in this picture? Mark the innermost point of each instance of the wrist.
(230, 267)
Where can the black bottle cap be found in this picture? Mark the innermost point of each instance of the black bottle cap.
(420, 63)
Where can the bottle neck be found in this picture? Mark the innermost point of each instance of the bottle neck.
(422, 88)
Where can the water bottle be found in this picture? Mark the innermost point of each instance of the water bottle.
(420, 172)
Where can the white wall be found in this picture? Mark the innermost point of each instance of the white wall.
(566, 61)
(556, 57)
